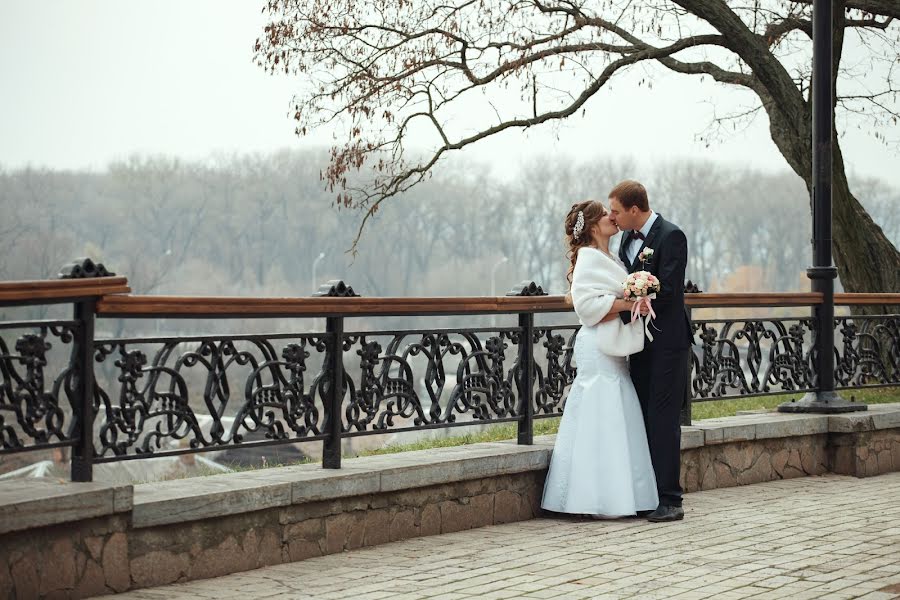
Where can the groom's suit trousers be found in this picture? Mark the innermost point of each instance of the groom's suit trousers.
(660, 379)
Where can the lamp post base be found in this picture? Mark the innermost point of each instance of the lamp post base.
(821, 402)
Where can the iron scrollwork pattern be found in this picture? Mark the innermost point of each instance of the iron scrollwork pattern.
(429, 378)
(752, 357)
(867, 351)
(554, 373)
(32, 412)
(214, 393)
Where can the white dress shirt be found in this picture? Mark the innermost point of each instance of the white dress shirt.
(635, 245)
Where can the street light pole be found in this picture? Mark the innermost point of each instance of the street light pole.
(823, 273)
(494, 285)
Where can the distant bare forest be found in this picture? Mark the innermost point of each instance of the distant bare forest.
(254, 225)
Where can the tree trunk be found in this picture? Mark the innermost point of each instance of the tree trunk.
(865, 258)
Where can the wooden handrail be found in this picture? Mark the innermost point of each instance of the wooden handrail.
(236, 306)
(752, 300)
(60, 290)
(115, 300)
(863, 299)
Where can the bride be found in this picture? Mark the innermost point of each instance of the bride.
(601, 462)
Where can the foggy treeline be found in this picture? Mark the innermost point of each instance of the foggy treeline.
(254, 225)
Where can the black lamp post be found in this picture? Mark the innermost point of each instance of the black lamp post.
(822, 273)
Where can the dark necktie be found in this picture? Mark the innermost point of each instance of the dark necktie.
(637, 235)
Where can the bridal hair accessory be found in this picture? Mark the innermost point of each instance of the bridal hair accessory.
(579, 225)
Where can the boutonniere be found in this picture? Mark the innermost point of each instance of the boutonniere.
(645, 254)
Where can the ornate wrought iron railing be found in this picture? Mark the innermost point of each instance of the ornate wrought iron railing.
(125, 398)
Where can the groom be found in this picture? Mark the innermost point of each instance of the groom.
(660, 371)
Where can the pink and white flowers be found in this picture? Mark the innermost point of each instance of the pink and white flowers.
(640, 284)
(642, 287)
(645, 255)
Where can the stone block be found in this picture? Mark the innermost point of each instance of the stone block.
(809, 458)
(691, 437)
(94, 545)
(25, 579)
(303, 539)
(344, 531)
(403, 525)
(158, 568)
(58, 570)
(507, 507)
(377, 527)
(761, 470)
(851, 422)
(738, 433)
(886, 420)
(690, 476)
(269, 549)
(92, 582)
(738, 456)
(711, 434)
(115, 562)
(418, 476)
(885, 463)
(781, 425)
(123, 498)
(39, 502)
(328, 484)
(430, 520)
(724, 475)
(779, 460)
(226, 557)
(843, 460)
(200, 498)
(453, 517)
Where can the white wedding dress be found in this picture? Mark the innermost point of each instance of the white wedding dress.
(601, 462)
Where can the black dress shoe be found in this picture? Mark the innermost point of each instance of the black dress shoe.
(664, 514)
(644, 513)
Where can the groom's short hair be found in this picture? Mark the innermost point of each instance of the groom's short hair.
(631, 193)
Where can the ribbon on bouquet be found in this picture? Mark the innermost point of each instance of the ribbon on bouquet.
(636, 312)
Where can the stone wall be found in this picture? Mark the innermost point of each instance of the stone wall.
(748, 462)
(106, 555)
(865, 453)
(68, 540)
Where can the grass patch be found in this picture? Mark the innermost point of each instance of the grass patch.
(715, 409)
(497, 433)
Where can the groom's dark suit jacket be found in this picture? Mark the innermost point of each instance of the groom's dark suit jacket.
(660, 371)
(672, 327)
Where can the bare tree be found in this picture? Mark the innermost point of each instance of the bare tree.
(381, 68)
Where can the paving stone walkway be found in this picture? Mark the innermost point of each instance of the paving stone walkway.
(812, 537)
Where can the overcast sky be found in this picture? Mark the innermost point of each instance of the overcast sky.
(90, 81)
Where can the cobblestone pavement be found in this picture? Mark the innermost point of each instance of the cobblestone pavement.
(812, 537)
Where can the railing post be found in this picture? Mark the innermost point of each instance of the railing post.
(689, 288)
(83, 353)
(526, 363)
(331, 451)
(334, 327)
(526, 372)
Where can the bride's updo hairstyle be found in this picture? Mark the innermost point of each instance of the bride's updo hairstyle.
(593, 211)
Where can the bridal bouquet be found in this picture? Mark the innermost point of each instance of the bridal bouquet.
(642, 286)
